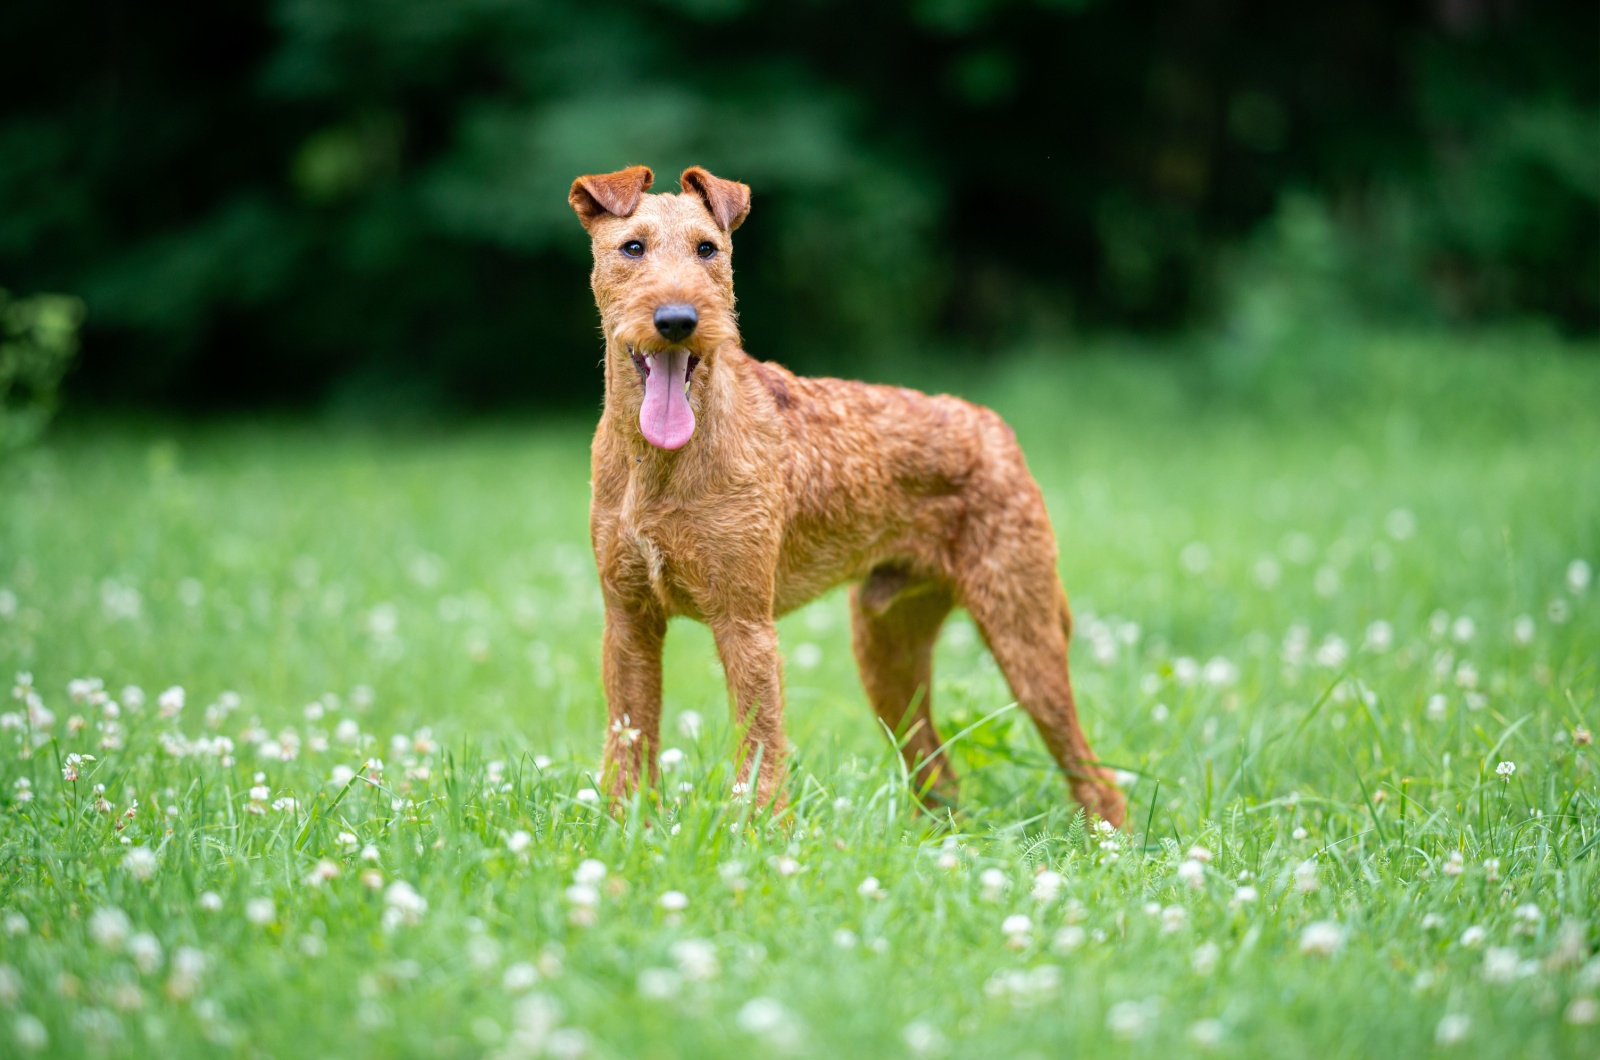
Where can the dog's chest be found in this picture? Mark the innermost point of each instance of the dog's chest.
(652, 545)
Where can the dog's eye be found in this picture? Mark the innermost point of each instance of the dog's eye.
(706, 249)
(633, 248)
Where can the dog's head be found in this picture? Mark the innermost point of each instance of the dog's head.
(663, 279)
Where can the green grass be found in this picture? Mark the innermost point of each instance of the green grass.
(1228, 540)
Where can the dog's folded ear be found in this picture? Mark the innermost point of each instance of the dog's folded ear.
(728, 200)
(599, 194)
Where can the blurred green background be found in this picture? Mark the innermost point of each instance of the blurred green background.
(351, 203)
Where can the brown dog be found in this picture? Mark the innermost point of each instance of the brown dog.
(732, 491)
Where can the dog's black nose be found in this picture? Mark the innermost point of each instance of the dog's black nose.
(676, 322)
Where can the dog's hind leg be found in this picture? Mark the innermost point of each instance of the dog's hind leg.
(895, 620)
(1013, 594)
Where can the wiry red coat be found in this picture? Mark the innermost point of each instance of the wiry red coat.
(789, 486)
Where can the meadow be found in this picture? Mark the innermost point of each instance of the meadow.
(299, 761)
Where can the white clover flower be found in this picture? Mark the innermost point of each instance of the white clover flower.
(589, 871)
(170, 702)
(1474, 936)
(1068, 938)
(1582, 1012)
(1454, 864)
(588, 796)
(285, 805)
(519, 977)
(1505, 769)
(1500, 964)
(626, 733)
(188, 965)
(322, 872)
(767, 1018)
(871, 888)
(994, 883)
(518, 841)
(140, 863)
(584, 900)
(1438, 707)
(341, 775)
(696, 959)
(845, 939)
(145, 949)
(1333, 652)
(660, 984)
(1579, 574)
(211, 902)
(72, 764)
(924, 1039)
(1205, 958)
(1192, 873)
(1432, 922)
(670, 759)
(786, 865)
(29, 1033)
(403, 905)
(109, 926)
(1206, 1033)
(1491, 869)
(260, 911)
(1047, 886)
(1321, 938)
(16, 923)
(1245, 895)
(1380, 637)
(1452, 1029)
(673, 901)
(1173, 919)
(1016, 924)
(1400, 524)
(690, 724)
(1220, 673)
(1305, 877)
(1130, 1019)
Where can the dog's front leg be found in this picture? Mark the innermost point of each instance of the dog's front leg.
(749, 651)
(631, 669)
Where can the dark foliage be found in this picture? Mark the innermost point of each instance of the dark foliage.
(267, 202)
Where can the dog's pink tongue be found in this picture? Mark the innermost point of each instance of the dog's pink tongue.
(666, 420)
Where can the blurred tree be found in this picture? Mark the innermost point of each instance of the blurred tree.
(278, 201)
(38, 339)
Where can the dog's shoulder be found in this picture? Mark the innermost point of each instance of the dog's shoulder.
(776, 379)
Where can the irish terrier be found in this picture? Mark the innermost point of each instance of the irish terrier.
(732, 491)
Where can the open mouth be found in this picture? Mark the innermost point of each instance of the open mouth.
(665, 418)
